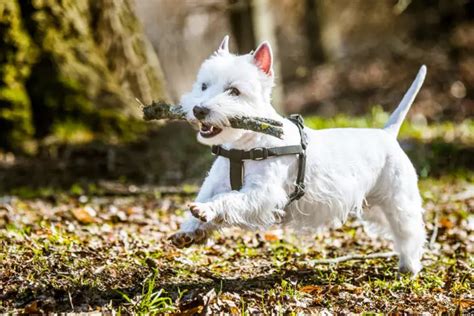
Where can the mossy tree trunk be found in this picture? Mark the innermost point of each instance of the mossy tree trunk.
(72, 61)
(17, 54)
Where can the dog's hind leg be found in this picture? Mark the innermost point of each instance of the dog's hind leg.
(404, 214)
(375, 222)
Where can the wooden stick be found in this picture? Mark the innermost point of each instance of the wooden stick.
(434, 235)
(355, 257)
(161, 110)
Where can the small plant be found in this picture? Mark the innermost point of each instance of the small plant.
(288, 289)
(151, 301)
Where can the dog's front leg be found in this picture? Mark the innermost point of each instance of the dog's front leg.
(192, 230)
(256, 205)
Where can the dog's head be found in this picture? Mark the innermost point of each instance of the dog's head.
(229, 85)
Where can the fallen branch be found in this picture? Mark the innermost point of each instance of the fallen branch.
(160, 110)
(434, 235)
(354, 257)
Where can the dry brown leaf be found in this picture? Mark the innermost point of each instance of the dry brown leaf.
(352, 288)
(446, 223)
(270, 237)
(85, 215)
(312, 289)
(465, 302)
(32, 308)
(192, 311)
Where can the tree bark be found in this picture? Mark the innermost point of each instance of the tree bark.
(264, 29)
(17, 54)
(72, 61)
(252, 23)
(313, 31)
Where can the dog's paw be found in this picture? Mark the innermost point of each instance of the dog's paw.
(202, 211)
(186, 239)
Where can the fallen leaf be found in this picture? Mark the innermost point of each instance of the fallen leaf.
(446, 223)
(465, 302)
(32, 308)
(270, 237)
(352, 288)
(312, 289)
(85, 215)
(192, 311)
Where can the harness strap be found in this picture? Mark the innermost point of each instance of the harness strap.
(299, 183)
(236, 174)
(236, 159)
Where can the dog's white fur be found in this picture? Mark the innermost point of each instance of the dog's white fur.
(349, 171)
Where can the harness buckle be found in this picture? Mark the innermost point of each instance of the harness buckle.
(258, 153)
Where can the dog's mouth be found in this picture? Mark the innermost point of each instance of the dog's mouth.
(208, 131)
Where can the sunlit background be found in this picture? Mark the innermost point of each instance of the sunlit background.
(70, 72)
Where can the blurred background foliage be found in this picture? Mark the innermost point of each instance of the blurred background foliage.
(70, 72)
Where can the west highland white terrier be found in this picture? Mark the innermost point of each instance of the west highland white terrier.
(360, 171)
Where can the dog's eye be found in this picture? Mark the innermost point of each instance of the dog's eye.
(234, 91)
(203, 87)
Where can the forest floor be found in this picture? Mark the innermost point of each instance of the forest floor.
(76, 251)
(103, 247)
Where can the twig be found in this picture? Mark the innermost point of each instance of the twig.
(355, 257)
(70, 300)
(162, 110)
(434, 234)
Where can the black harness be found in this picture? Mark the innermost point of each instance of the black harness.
(236, 158)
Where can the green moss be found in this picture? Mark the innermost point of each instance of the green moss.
(72, 132)
(17, 53)
(63, 61)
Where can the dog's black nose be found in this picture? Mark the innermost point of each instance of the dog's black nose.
(200, 112)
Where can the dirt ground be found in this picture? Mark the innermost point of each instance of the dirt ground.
(79, 251)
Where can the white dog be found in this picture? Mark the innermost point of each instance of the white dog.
(349, 170)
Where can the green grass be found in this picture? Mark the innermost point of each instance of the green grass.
(447, 131)
(152, 301)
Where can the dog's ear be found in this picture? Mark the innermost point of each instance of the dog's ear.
(263, 58)
(224, 46)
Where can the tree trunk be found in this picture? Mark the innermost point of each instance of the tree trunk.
(17, 54)
(264, 29)
(241, 22)
(72, 61)
(350, 27)
(252, 23)
(313, 32)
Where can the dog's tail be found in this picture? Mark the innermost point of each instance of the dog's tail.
(396, 119)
